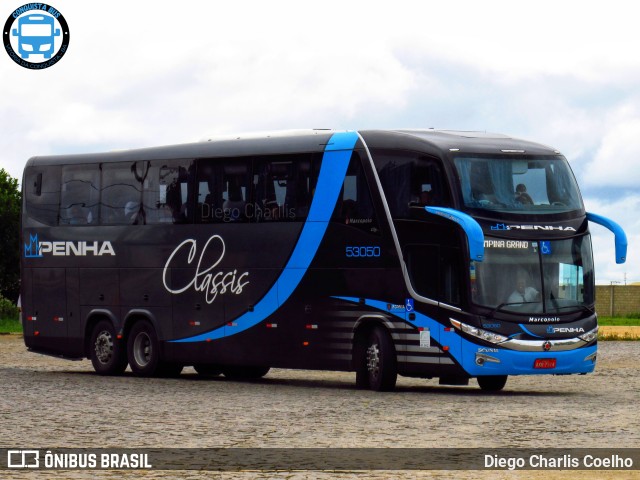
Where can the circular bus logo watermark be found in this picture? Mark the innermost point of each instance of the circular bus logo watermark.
(36, 36)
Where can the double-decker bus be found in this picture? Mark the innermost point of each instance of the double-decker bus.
(432, 254)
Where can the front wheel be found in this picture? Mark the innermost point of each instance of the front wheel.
(492, 383)
(378, 366)
(107, 354)
(143, 349)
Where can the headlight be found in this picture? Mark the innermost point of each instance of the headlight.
(485, 335)
(27, 48)
(590, 336)
(45, 47)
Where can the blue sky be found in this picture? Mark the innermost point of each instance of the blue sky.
(144, 73)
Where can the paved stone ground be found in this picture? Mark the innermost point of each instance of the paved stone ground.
(51, 403)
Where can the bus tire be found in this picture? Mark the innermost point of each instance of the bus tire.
(492, 383)
(380, 361)
(107, 354)
(143, 349)
(245, 373)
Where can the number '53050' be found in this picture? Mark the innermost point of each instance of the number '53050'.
(362, 251)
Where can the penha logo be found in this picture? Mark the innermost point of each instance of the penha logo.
(37, 249)
(36, 36)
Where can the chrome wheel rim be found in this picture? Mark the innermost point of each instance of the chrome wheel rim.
(373, 360)
(142, 349)
(104, 347)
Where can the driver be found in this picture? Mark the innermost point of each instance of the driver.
(523, 293)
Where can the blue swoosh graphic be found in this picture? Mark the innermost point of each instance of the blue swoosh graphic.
(333, 170)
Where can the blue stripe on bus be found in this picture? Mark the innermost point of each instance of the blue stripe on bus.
(511, 362)
(526, 330)
(333, 170)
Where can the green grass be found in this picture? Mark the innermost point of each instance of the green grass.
(618, 321)
(9, 325)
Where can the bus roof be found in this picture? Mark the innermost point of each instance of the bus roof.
(436, 142)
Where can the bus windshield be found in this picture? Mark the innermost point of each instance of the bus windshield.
(518, 184)
(524, 276)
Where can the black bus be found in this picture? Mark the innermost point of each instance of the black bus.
(422, 253)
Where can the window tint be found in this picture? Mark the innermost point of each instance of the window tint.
(122, 193)
(80, 195)
(355, 206)
(223, 188)
(409, 178)
(166, 192)
(42, 194)
(435, 272)
(283, 187)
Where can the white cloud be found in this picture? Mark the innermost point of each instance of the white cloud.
(617, 161)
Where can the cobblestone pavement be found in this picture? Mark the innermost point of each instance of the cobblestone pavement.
(51, 403)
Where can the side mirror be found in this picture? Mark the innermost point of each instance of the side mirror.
(618, 232)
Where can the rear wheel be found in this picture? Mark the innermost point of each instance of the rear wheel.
(143, 349)
(107, 354)
(377, 367)
(492, 383)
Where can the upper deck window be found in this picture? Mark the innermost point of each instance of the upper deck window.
(522, 185)
(410, 179)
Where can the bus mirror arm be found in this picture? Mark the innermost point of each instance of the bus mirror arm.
(471, 228)
(618, 232)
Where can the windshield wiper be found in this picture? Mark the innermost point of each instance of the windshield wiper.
(506, 304)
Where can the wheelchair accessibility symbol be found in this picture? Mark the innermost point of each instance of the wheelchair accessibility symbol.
(545, 248)
(409, 305)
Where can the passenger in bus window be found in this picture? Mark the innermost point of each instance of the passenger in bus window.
(523, 293)
(522, 196)
(78, 216)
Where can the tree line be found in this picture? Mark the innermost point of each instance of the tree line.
(10, 201)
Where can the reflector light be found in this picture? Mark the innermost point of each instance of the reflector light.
(305, 344)
(421, 329)
(312, 327)
(232, 324)
(445, 348)
(194, 324)
(119, 336)
(272, 325)
(36, 333)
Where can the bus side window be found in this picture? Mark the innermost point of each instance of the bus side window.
(410, 179)
(80, 195)
(166, 192)
(354, 206)
(42, 194)
(283, 187)
(434, 271)
(121, 200)
(223, 187)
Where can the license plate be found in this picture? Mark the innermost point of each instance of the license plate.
(544, 363)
